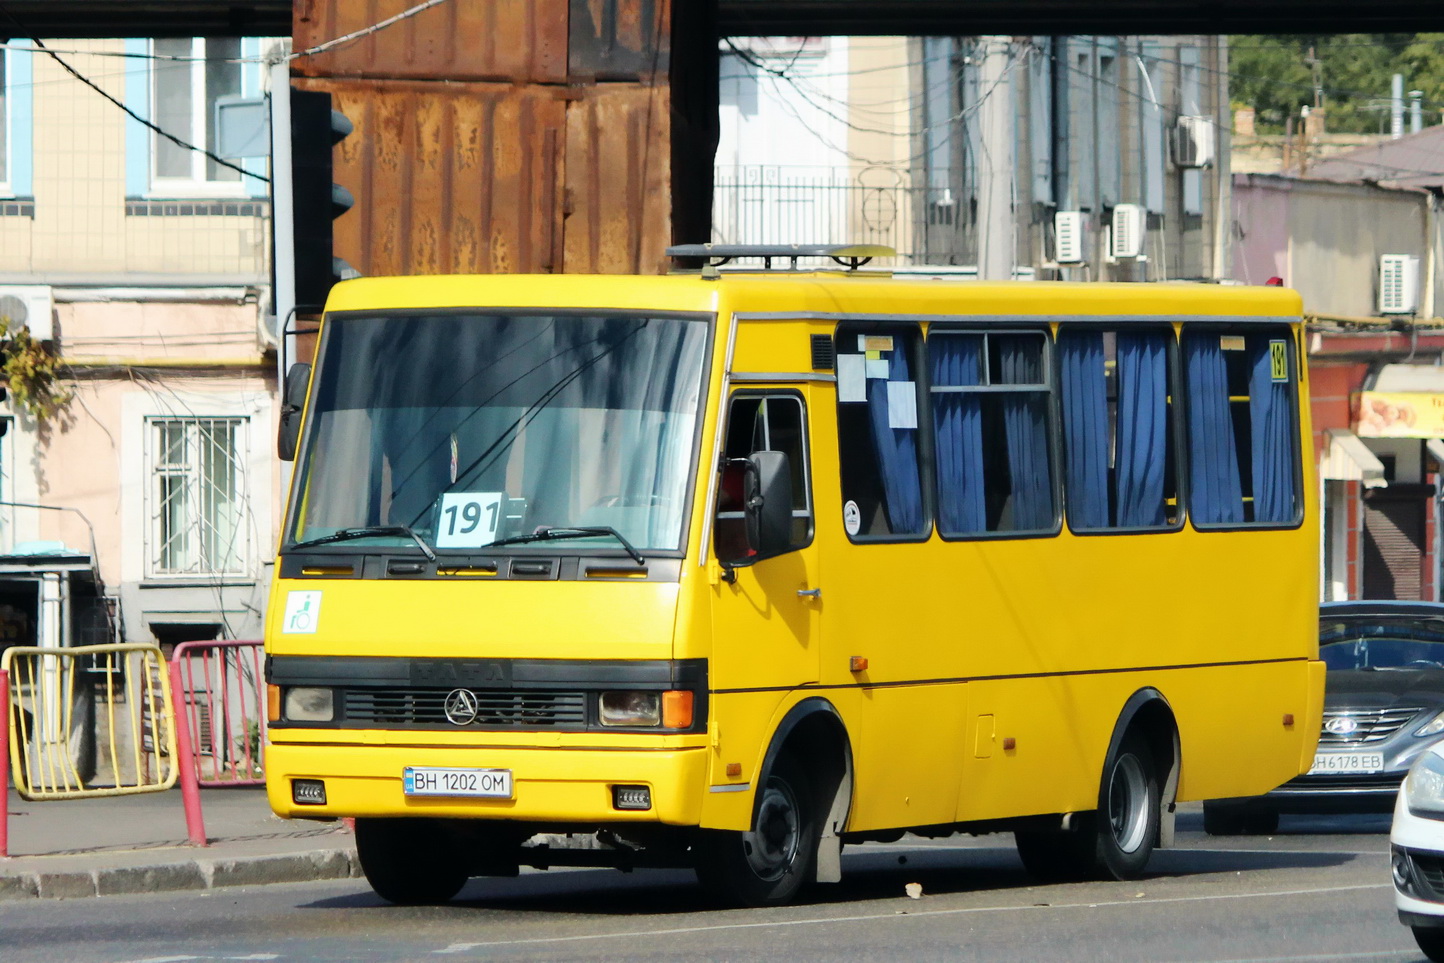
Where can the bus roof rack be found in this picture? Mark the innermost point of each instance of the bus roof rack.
(850, 256)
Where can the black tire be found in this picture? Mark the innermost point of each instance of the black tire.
(1431, 941)
(1222, 819)
(410, 862)
(1113, 843)
(1261, 823)
(770, 864)
(1128, 813)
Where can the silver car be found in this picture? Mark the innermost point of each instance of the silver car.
(1383, 706)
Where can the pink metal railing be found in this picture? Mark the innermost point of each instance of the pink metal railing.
(220, 693)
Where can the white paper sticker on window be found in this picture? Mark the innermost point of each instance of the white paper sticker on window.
(851, 518)
(469, 519)
(303, 612)
(851, 379)
(902, 404)
(877, 369)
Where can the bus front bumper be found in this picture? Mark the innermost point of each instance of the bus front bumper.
(554, 785)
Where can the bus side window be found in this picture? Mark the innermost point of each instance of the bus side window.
(992, 414)
(1240, 392)
(1120, 456)
(770, 422)
(878, 439)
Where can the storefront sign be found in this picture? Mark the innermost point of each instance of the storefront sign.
(1400, 414)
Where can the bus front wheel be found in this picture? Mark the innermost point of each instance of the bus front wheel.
(769, 864)
(410, 862)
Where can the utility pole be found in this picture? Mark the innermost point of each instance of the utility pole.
(1316, 66)
(996, 248)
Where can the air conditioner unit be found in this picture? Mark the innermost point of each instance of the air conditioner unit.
(1128, 227)
(1193, 139)
(31, 306)
(1398, 284)
(1068, 237)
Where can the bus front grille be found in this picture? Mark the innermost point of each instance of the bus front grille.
(495, 708)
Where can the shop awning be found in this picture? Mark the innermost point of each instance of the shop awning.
(1349, 459)
(1435, 448)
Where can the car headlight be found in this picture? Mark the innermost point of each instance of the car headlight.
(1431, 728)
(1424, 787)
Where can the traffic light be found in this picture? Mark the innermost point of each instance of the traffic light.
(316, 199)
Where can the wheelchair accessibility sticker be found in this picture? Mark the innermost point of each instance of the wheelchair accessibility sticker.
(302, 611)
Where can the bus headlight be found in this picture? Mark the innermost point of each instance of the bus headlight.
(1424, 787)
(309, 704)
(630, 709)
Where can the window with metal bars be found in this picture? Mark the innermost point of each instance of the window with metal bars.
(197, 496)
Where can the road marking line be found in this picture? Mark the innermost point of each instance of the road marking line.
(869, 917)
(1380, 955)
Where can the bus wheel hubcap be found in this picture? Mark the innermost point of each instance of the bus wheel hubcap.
(1128, 803)
(772, 845)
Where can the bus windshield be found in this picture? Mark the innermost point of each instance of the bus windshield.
(468, 430)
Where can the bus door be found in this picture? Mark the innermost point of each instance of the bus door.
(768, 606)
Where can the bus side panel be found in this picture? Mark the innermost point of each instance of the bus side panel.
(1231, 722)
(1052, 762)
(907, 741)
(1248, 749)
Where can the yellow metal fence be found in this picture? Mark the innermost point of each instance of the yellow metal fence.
(94, 720)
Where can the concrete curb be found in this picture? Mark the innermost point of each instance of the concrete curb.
(191, 874)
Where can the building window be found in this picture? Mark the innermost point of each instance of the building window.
(190, 74)
(197, 496)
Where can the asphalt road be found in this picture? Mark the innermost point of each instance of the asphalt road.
(1318, 890)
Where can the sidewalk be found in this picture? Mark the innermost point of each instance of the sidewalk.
(137, 844)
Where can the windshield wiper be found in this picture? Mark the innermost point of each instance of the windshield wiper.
(346, 534)
(552, 534)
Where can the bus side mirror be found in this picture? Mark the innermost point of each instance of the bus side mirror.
(293, 401)
(774, 487)
(754, 508)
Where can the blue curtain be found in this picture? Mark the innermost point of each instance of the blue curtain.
(958, 431)
(1085, 428)
(1025, 419)
(1215, 491)
(897, 450)
(1142, 428)
(1271, 424)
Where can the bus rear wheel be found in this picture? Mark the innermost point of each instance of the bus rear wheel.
(769, 864)
(410, 862)
(1116, 841)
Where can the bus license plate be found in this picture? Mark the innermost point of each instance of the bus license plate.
(1347, 762)
(432, 781)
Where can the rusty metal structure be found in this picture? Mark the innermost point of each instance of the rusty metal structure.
(515, 136)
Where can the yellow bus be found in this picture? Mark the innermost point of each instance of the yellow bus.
(730, 569)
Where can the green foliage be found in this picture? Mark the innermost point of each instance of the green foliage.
(1276, 77)
(31, 372)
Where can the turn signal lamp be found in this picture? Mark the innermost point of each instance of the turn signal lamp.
(677, 709)
(273, 703)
